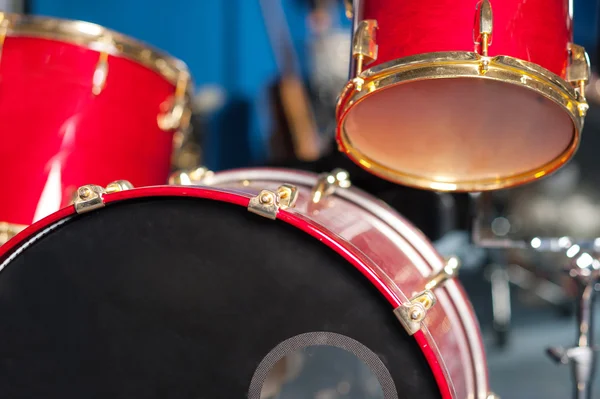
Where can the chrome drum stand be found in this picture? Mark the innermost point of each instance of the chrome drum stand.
(584, 269)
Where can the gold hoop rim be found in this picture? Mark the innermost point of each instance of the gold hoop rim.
(452, 65)
(95, 37)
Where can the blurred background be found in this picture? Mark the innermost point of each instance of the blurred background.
(266, 85)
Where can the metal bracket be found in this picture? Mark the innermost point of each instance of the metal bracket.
(4, 26)
(90, 197)
(364, 44)
(413, 312)
(482, 33)
(178, 112)
(328, 182)
(190, 177)
(349, 8)
(578, 74)
(9, 230)
(101, 70)
(268, 203)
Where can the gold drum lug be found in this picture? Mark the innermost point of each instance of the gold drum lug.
(484, 27)
(4, 26)
(190, 177)
(119, 185)
(412, 313)
(349, 8)
(178, 112)
(101, 71)
(9, 230)
(328, 182)
(578, 74)
(268, 203)
(90, 196)
(364, 44)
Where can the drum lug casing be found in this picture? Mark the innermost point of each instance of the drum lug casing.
(101, 71)
(412, 313)
(9, 230)
(578, 74)
(90, 197)
(190, 177)
(4, 26)
(328, 182)
(268, 203)
(364, 45)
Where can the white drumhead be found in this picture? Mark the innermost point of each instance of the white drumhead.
(460, 131)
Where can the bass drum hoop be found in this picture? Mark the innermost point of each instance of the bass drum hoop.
(458, 301)
(452, 65)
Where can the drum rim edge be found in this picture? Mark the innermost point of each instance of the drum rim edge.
(27, 236)
(94, 37)
(455, 65)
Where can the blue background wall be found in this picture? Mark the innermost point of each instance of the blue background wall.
(225, 42)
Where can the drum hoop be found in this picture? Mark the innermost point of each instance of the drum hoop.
(452, 65)
(95, 37)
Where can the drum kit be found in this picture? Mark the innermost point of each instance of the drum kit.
(197, 283)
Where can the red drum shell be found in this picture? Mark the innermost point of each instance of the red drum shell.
(537, 31)
(58, 135)
(393, 255)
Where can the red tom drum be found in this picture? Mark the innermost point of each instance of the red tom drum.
(81, 103)
(204, 291)
(463, 95)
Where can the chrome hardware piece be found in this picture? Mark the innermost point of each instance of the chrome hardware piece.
(119, 185)
(100, 74)
(268, 203)
(178, 114)
(364, 45)
(328, 182)
(484, 27)
(492, 395)
(482, 33)
(449, 271)
(578, 73)
(89, 197)
(585, 271)
(191, 177)
(9, 230)
(4, 25)
(349, 7)
(101, 70)
(412, 313)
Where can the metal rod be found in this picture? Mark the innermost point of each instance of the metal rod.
(584, 358)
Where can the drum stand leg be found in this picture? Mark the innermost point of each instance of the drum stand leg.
(501, 306)
(582, 357)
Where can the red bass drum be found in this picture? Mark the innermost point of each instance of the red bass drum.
(81, 103)
(463, 95)
(228, 291)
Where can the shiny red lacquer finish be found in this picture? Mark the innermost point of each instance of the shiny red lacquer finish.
(392, 254)
(57, 135)
(535, 30)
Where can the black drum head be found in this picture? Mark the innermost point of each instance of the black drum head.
(190, 298)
